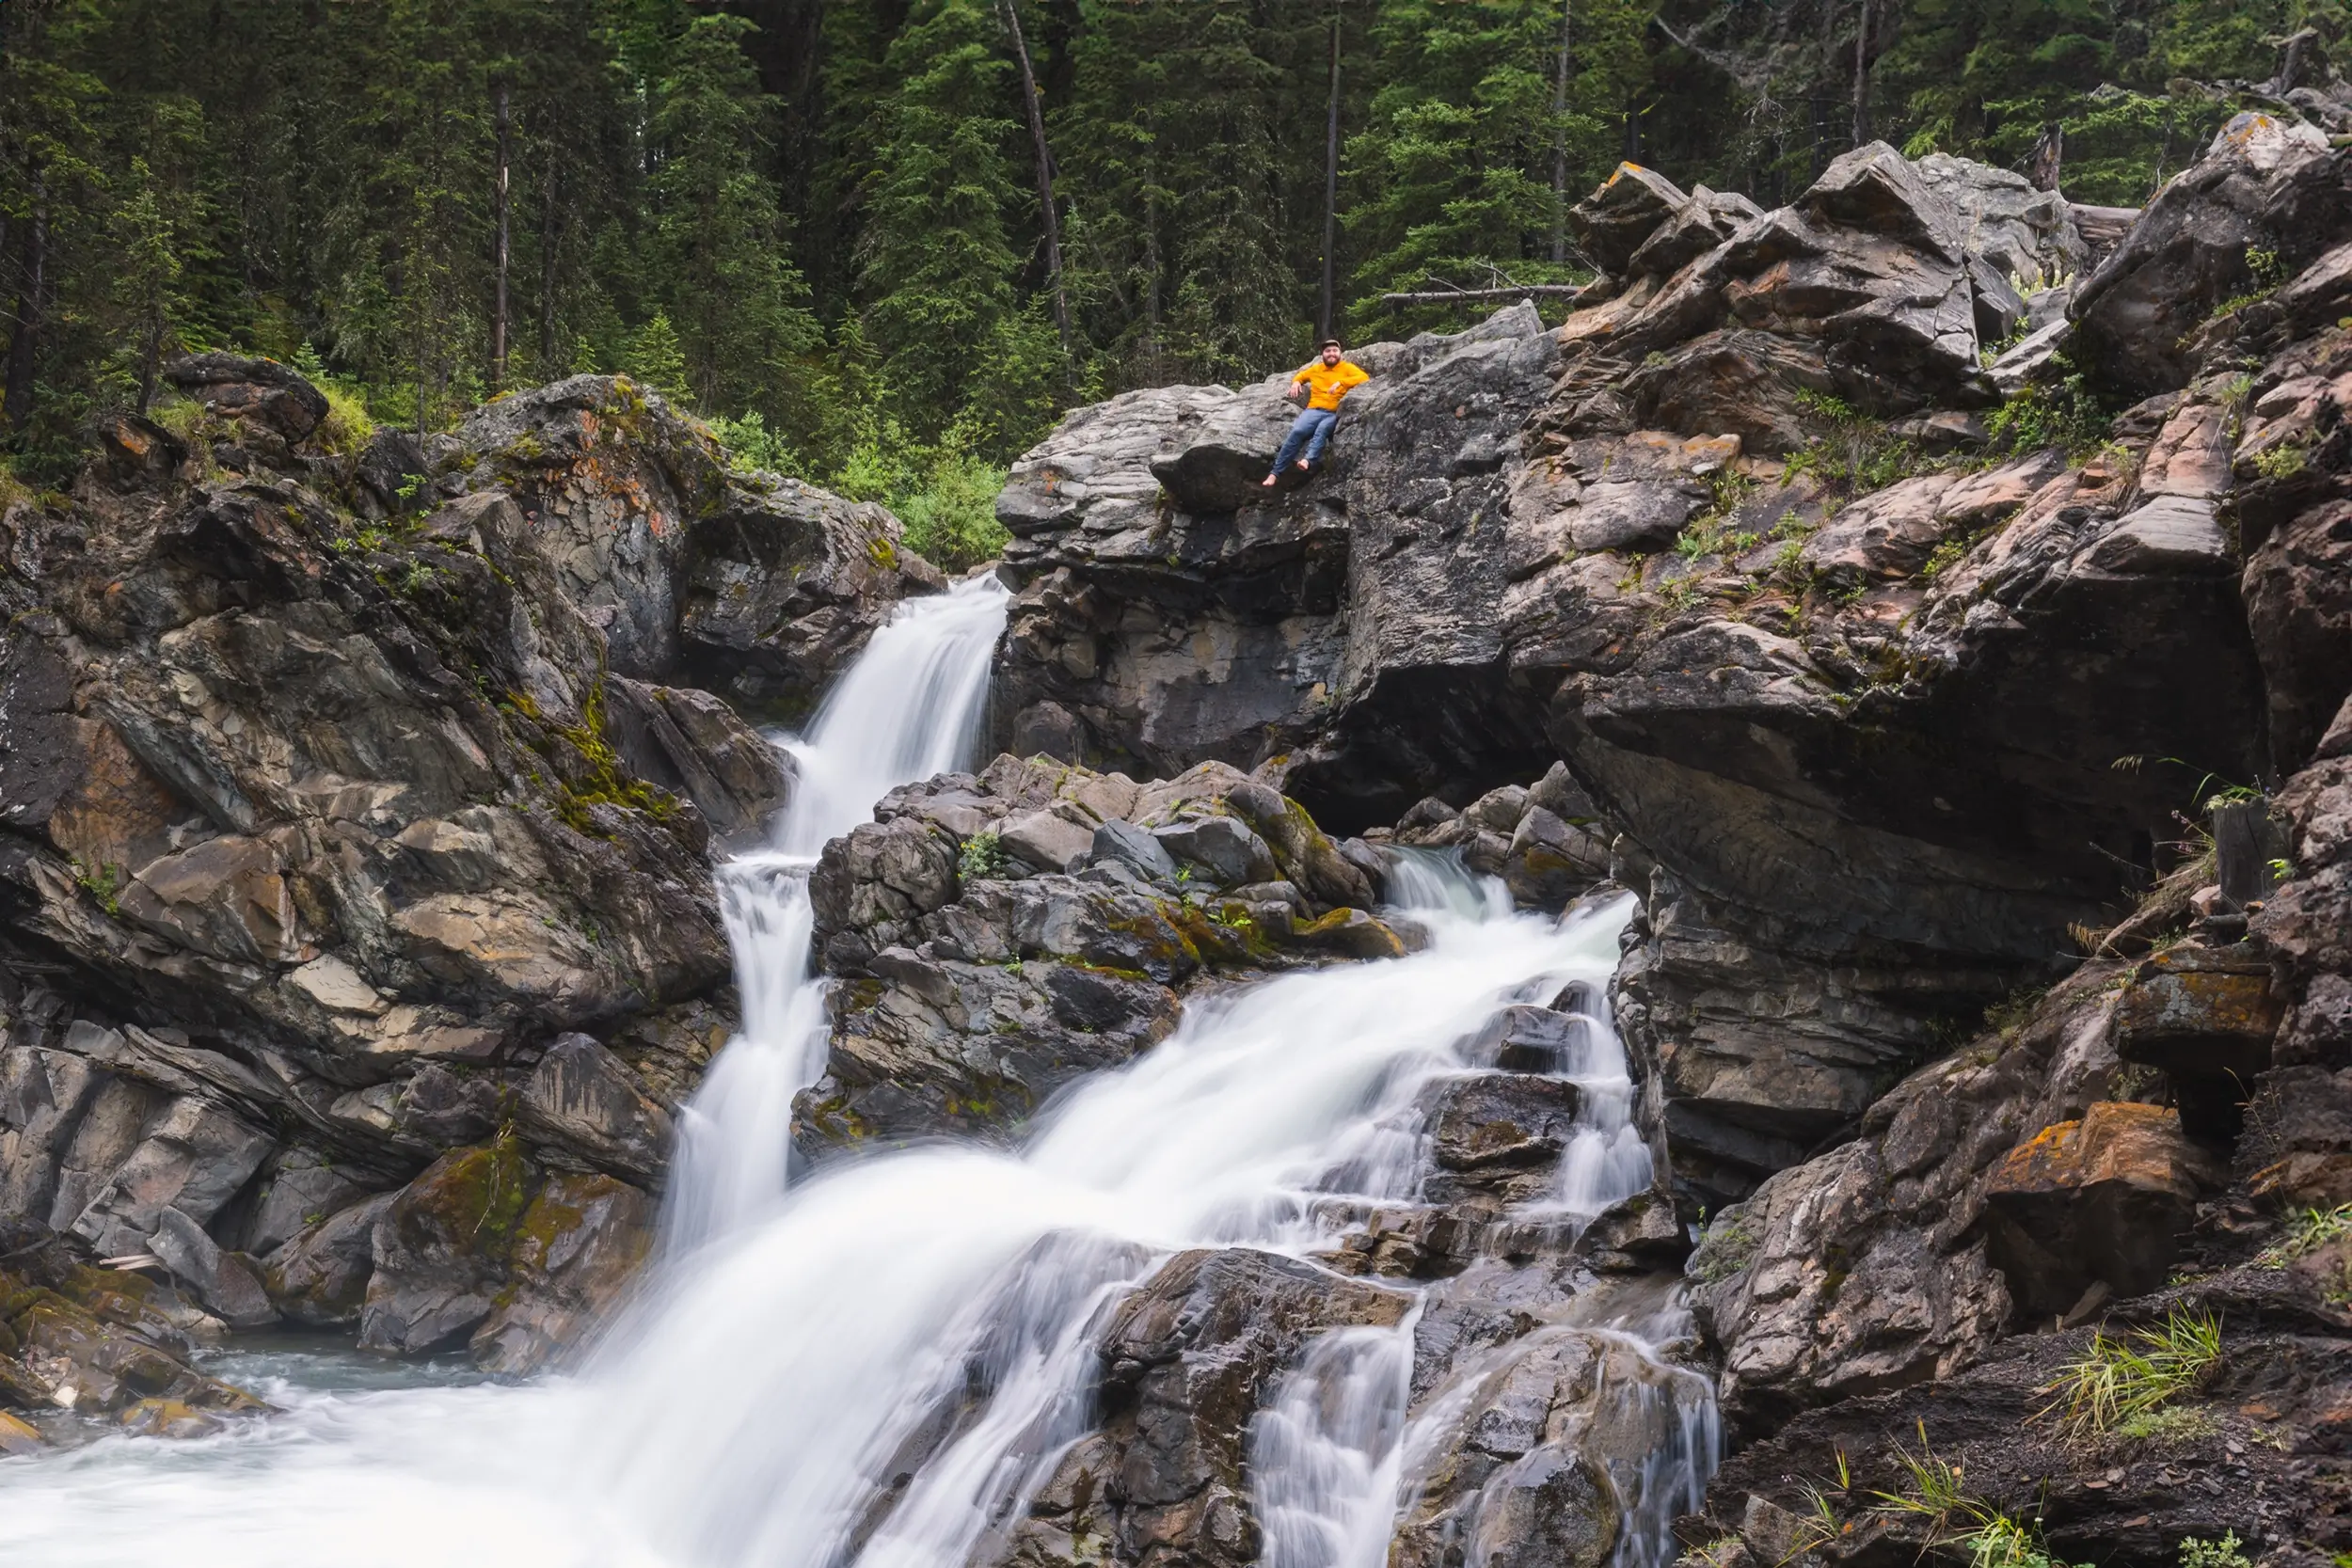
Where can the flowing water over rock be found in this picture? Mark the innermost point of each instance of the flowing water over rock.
(910, 707)
(887, 1364)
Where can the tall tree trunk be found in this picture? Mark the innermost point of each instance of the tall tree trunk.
(1332, 189)
(16, 391)
(1011, 11)
(1560, 136)
(1862, 76)
(499, 258)
(547, 234)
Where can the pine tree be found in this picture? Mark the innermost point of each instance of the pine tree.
(741, 306)
(937, 259)
(1453, 175)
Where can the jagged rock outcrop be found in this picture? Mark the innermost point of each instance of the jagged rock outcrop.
(1888, 713)
(1755, 668)
(1000, 935)
(753, 586)
(84, 1348)
(347, 819)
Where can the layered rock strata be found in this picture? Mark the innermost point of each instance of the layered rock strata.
(349, 820)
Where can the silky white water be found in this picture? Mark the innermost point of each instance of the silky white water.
(875, 1366)
(910, 706)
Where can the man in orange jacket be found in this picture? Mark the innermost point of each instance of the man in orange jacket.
(1326, 379)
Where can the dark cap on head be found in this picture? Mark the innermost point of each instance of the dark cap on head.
(1327, 343)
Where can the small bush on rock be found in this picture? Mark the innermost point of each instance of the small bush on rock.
(2307, 1231)
(982, 856)
(2224, 1553)
(2064, 415)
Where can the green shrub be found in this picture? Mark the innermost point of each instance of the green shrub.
(983, 856)
(2064, 415)
(752, 447)
(951, 517)
(2224, 1553)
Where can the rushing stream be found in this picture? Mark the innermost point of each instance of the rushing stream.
(754, 1406)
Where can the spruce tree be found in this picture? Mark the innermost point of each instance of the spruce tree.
(739, 306)
(937, 261)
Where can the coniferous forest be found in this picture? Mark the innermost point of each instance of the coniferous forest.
(882, 243)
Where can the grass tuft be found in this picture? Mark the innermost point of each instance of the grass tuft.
(2307, 1233)
(2117, 1380)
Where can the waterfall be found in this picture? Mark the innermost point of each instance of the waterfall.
(878, 1367)
(908, 707)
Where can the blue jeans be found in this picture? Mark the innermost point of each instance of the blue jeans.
(1311, 430)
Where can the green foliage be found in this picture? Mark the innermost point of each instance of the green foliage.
(656, 356)
(2066, 415)
(104, 882)
(739, 306)
(752, 446)
(2115, 1380)
(1933, 1491)
(950, 518)
(848, 250)
(982, 857)
(2307, 1231)
(938, 263)
(2224, 1553)
(1849, 449)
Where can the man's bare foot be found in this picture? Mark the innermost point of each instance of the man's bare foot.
(1302, 464)
(1267, 482)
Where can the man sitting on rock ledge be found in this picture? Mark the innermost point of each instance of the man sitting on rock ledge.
(1327, 378)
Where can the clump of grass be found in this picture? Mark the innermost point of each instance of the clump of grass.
(982, 857)
(1852, 450)
(348, 425)
(1935, 1492)
(2307, 1231)
(2116, 1380)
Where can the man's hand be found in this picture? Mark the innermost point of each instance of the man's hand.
(1299, 389)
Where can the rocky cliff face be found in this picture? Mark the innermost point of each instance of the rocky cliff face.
(351, 829)
(1896, 691)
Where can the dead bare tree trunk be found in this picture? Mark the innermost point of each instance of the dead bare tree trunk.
(1862, 76)
(1331, 188)
(499, 261)
(1560, 136)
(2046, 161)
(1010, 12)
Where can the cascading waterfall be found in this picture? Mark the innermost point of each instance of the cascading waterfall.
(875, 1369)
(908, 707)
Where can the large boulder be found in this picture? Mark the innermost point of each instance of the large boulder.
(2104, 1200)
(2266, 185)
(755, 585)
(1001, 934)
